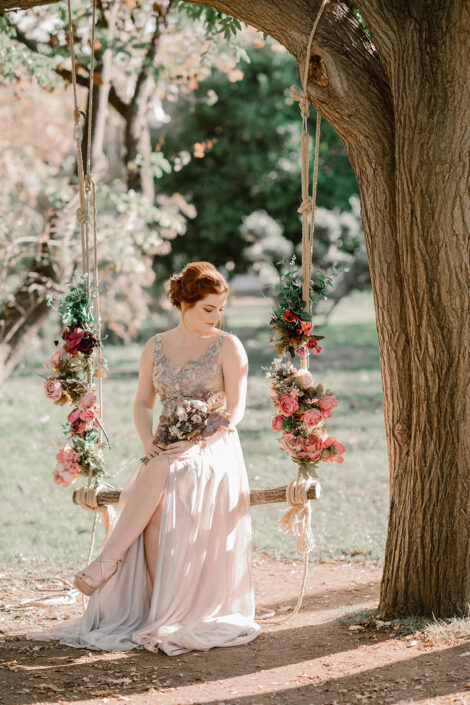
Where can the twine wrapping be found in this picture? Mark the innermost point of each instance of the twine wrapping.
(87, 497)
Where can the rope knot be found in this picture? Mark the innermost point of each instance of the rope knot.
(298, 94)
(305, 206)
(82, 215)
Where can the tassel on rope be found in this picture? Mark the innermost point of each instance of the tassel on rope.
(296, 519)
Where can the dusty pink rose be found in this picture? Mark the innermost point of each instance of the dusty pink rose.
(53, 388)
(312, 455)
(62, 476)
(303, 379)
(77, 424)
(72, 338)
(290, 443)
(288, 404)
(277, 423)
(312, 417)
(70, 459)
(312, 443)
(87, 401)
(88, 414)
(327, 403)
(54, 359)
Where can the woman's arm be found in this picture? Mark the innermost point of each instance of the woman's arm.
(145, 396)
(234, 362)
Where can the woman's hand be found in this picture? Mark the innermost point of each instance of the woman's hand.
(152, 448)
(179, 449)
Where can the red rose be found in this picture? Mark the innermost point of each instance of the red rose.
(312, 343)
(72, 338)
(87, 343)
(290, 317)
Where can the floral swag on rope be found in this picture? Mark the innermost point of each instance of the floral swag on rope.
(73, 367)
(301, 407)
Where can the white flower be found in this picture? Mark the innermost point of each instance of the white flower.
(181, 414)
(197, 418)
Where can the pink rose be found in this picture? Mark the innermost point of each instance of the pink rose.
(303, 379)
(290, 443)
(53, 388)
(69, 459)
(87, 401)
(331, 444)
(327, 403)
(288, 403)
(312, 417)
(277, 423)
(312, 443)
(313, 455)
(62, 476)
(301, 352)
(72, 338)
(77, 424)
(88, 414)
(54, 359)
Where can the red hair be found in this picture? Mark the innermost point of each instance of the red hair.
(195, 282)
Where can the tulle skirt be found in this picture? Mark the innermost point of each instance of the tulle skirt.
(202, 595)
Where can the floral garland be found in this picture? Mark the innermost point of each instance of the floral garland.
(301, 408)
(72, 364)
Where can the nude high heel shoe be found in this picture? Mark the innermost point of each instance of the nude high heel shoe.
(95, 575)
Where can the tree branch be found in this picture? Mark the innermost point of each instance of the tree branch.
(82, 80)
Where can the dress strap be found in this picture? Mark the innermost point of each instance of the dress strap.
(158, 348)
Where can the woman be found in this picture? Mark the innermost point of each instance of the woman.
(175, 574)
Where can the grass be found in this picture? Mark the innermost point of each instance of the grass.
(433, 631)
(39, 524)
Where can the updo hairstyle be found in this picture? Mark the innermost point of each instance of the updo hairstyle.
(194, 282)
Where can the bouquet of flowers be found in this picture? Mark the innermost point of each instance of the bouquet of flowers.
(192, 419)
(292, 324)
(302, 409)
(72, 365)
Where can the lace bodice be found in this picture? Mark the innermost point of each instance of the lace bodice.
(197, 376)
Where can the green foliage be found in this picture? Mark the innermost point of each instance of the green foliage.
(214, 21)
(250, 131)
(15, 61)
(74, 308)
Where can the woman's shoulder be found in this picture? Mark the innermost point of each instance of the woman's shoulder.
(231, 344)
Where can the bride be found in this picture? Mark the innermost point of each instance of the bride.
(175, 574)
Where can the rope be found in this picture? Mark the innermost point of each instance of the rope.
(86, 213)
(296, 519)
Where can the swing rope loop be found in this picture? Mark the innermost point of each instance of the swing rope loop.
(296, 519)
(86, 218)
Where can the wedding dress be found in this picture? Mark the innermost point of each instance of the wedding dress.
(202, 595)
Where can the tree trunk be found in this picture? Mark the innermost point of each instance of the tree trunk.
(21, 318)
(427, 560)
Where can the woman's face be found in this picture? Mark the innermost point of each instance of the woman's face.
(206, 313)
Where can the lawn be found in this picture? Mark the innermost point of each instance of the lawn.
(40, 524)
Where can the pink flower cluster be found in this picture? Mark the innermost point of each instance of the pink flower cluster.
(83, 414)
(301, 412)
(68, 466)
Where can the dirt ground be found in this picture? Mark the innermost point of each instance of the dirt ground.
(311, 659)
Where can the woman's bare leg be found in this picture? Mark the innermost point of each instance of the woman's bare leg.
(151, 536)
(145, 496)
